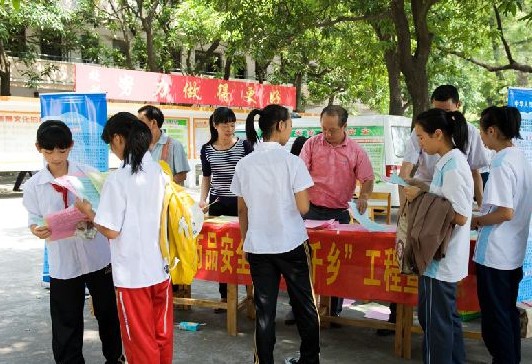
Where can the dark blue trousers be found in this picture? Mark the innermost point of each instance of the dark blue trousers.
(443, 341)
(497, 295)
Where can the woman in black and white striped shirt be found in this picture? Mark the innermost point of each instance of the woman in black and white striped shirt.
(219, 157)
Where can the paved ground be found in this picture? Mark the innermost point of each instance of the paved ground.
(25, 328)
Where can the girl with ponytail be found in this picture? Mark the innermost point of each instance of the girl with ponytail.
(445, 134)
(129, 214)
(271, 185)
(503, 227)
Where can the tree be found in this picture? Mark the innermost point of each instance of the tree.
(38, 14)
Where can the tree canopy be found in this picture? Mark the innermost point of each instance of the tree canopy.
(387, 54)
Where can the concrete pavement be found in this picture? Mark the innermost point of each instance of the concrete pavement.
(25, 327)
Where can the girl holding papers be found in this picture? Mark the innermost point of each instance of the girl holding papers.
(129, 214)
(75, 262)
(445, 134)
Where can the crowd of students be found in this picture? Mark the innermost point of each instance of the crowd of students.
(269, 186)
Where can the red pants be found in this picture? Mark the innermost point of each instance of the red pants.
(146, 323)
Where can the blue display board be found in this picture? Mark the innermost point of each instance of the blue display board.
(521, 98)
(85, 115)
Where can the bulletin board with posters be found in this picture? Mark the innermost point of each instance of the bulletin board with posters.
(521, 98)
(177, 128)
(370, 137)
(18, 132)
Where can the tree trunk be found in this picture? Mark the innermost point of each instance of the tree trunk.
(190, 70)
(395, 104)
(152, 65)
(331, 99)
(260, 72)
(414, 63)
(227, 67)
(298, 83)
(5, 72)
(393, 68)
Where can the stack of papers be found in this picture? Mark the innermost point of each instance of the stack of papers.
(321, 224)
(65, 223)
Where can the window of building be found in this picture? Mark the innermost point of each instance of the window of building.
(208, 65)
(51, 46)
(16, 44)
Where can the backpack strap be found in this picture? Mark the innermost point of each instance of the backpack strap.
(166, 147)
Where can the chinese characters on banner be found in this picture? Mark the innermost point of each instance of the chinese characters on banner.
(177, 89)
(352, 264)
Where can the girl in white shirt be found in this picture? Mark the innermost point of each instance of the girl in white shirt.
(271, 185)
(75, 262)
(129, 215)
(446, 134)
(503, 233)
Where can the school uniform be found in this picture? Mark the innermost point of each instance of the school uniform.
(477, 155)
(437, 312)
(500, 252)
(132, 205)
(267, 180)
(74, 263)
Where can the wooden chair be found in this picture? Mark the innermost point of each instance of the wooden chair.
(380, 204)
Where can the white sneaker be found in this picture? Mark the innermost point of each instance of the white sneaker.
(291, 361)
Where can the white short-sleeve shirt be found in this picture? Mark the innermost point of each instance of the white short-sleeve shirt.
(477, 155)
(453, 180)
(132, 205)
(503, 246)
(267, 180)
(71, 257)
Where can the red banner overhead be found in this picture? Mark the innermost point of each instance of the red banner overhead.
(142, 86)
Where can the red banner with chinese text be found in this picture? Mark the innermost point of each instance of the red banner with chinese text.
(351, 264)
(142, 86)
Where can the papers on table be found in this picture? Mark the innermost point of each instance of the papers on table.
(396, 180)
(321, 224)
(221, 219)
(364, 220)
(63, 224)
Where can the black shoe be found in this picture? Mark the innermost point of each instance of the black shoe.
(385, 332)
(17, 190)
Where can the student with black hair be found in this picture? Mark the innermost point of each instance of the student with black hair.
(297, 145)
(503, 227)
(219, 157)
(445, 97)
(162, 147)
(445, 133)
(271, 185)
(129, 215)
(76, 262)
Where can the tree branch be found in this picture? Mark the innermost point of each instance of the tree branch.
(512, 65)
(501, 35)
(342, 19)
